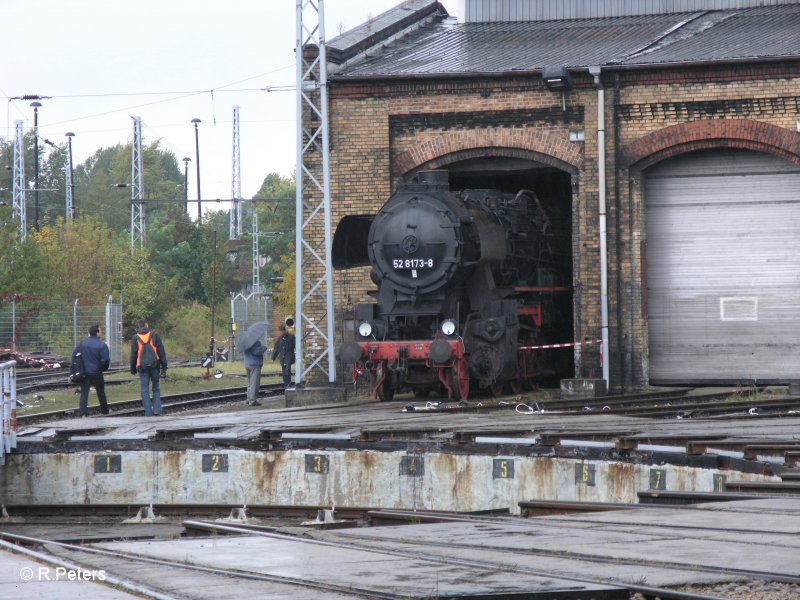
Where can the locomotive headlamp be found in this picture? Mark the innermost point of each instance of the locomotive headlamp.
(365, 329)
(448, 327)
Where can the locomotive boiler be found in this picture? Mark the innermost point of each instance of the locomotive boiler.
(468, 287)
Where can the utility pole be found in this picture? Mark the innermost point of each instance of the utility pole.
(18, 186)
(137, 187)
(70, 182)
(314, 271)
(236, 186)
(197, 165)
(213, 343)
(36, 106)
(186, 161)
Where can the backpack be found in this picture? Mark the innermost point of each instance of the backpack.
(148, 355)
(76, 371)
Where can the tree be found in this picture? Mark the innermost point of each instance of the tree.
(22, 268)
(52, 177)
(95, 191)
(276, 223)
(284, 290)
(179, 274)
(97, 184)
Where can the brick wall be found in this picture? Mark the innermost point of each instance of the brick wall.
(380, 131)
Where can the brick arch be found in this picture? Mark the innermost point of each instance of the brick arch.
(716, 133)
(460, 145)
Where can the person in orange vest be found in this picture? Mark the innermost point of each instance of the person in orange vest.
(149, 360)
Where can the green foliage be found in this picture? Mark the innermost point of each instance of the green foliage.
(144, 291)
(78, 256)
(183, 271)
(186, 330)
(276, 224)
(97, 180)
(22, 267)
(284, 291)
(52, 159)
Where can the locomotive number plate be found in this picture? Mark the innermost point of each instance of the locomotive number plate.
(412, 263)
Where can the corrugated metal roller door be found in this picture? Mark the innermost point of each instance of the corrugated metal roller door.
(723, 268)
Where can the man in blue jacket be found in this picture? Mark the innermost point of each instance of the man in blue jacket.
(96, 359)
(253, 362)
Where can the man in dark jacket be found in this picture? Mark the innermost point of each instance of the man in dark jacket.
(284, 348)
(149, 362)
(253, 362)
(96, 359)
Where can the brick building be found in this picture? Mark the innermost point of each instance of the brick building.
(667, 144)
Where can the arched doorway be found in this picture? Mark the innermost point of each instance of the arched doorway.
(553, 189)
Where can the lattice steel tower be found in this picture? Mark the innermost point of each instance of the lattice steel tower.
(314, 272)
(137, 187)
(19, 180)
(236, 186)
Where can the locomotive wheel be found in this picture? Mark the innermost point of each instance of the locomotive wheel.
(496, 388)
(516, 386)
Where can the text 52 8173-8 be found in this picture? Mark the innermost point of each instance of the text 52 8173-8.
(412, 263)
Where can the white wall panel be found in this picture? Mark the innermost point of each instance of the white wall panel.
(723, 268)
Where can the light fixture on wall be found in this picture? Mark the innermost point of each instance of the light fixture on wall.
(556, 79)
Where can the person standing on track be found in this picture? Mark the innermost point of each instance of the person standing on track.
(149, 359)
(96, 359)
(284, 348)
(253, 362)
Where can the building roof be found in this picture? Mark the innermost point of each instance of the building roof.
(438, 45)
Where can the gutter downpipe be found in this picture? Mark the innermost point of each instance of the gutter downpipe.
(601, 183)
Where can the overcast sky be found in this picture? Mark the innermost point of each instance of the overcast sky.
(166, 61)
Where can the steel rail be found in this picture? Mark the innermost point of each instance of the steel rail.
(110, 580)
(171, 403)
(744, 573)
(234, 573)
(599, 404)
(648, 591)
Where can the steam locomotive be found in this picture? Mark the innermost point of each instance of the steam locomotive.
(469, 284)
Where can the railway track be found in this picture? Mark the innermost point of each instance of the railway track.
(174, 403)
(125, 567)
(32, 381)
(652, 405)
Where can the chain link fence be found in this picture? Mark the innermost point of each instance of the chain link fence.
(54, 327)
(247, 309)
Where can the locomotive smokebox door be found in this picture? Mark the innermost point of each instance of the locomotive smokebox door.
(415, 243)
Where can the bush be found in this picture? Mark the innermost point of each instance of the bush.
(186, 333)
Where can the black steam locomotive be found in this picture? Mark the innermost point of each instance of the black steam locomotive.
(469, 284)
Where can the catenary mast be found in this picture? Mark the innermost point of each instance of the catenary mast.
(314, 271)
(137, 187)
(19, 180)
(236, 186)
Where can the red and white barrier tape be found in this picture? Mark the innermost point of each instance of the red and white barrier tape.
(546, 346)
